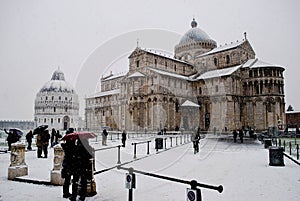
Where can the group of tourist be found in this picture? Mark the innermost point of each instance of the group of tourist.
(105, 134)
(241, 135)
(77, 163)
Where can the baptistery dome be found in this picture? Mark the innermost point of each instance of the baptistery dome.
(57, 104)
(194, 42)
(58, 84)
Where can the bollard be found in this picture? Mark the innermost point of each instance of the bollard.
(119, 154)
(130, 177)
(297, 151)
(165, 143)
(134, 151)
(284, 145)
(17, 166)
(180, 139)
(148, 147)
(57, 165)
(290, 144)
(171, 141)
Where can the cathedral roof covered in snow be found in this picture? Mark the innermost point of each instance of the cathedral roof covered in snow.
(195, 35)
(57, 84)
(256, 63)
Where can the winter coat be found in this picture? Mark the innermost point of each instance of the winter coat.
(29, 136)
(39, 141)
(83, 155)
(124, 136)
(104, 133)
(45, 137)
(70, 151)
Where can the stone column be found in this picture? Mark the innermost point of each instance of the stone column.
(55, 177)
(17, 166)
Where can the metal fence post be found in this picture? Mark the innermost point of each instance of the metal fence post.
(119, 154)
(280, 142)
(148, 147)
(297, 151)
(134, 154)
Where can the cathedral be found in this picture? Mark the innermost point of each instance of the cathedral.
(202, 85)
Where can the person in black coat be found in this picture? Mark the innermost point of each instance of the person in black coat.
(196, 139)
(124, 138)
(241, 135)
(83, 169)
(29, 137)
(53, 133)
(45, 142)
(11, 138)
(67, 171)
(234, 135)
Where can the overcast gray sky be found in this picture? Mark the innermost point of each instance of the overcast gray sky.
(37, 36)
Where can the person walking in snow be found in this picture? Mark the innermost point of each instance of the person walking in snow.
(68, 164)
(82, 169)
(45, 142)
(124, 138)
(104, 137)
(39, 144)
(57, 136)
(241, 135)
(53, 134)
(29, 137)
(234, 135)
(195, 140)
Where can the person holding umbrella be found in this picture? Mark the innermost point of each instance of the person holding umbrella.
(14, 136)
(77, 163)
(39, 144)
(104, 136)
(45, 142)
(39, 139)
(67, 171)
(83, 169)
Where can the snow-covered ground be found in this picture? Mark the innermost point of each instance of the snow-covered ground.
(242, 169)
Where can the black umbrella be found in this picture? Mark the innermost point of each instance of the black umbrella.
(17, 130)
(39, 129)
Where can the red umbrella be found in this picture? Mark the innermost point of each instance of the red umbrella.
(79, 135)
